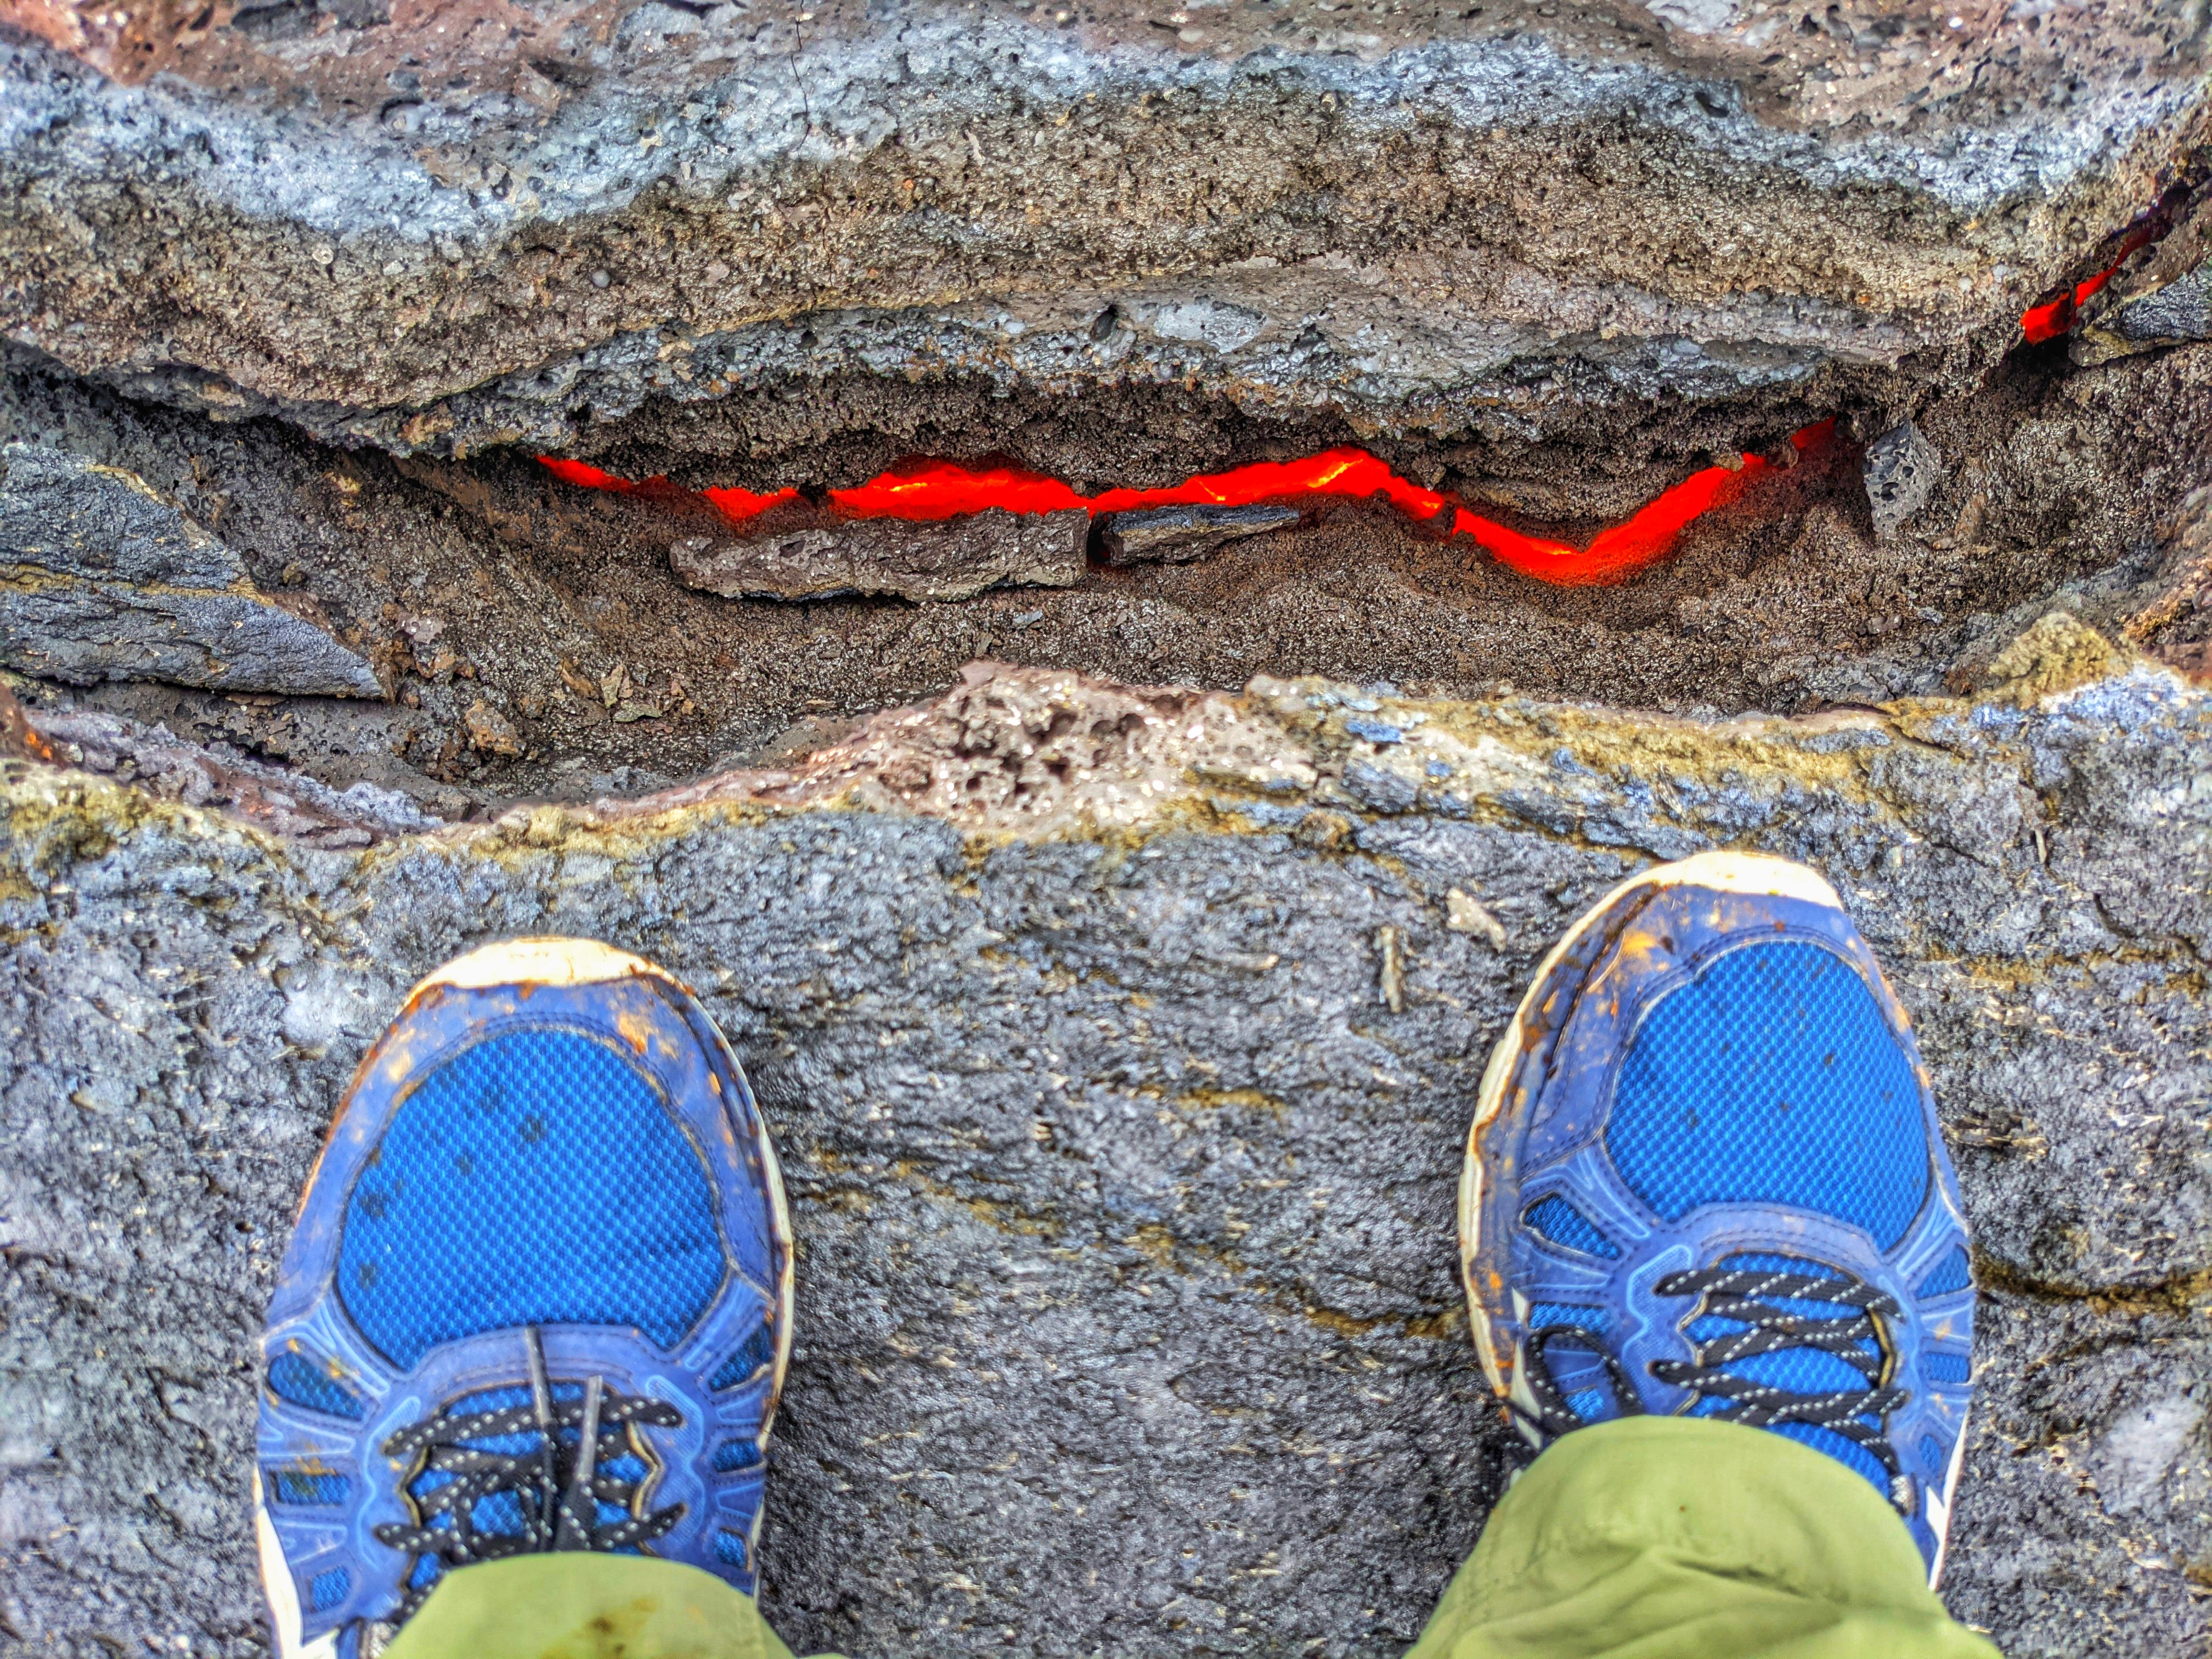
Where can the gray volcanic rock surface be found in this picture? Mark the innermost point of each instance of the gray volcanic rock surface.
(101, 578)
(1392, 222)
(1127, 1299)
(955, 559)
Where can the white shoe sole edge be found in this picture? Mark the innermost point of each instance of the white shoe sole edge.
(276, 1586)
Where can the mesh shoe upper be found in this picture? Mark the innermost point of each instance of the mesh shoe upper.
(534, 1178)
(1768, 1075)
(1709, 1181)
(538, 1297)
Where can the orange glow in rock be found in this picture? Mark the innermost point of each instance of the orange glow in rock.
(929, 491)
(939, 489)
(2048, 321)
(739, 505)
(589, 478)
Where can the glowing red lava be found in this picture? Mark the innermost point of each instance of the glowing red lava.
(942, 490)
(2048, 321)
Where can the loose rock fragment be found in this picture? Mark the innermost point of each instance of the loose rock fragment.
(1390, 945)
(490, 730)
(101, 579)
(1177, 535)
(1902, 471)
(1465, 914)
(948, 559)
(2176, 315)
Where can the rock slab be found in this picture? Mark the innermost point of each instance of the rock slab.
(102, 579)
(941, 560)
(2172, 315)
(1120, 1045)
(1509, 225)
(1177, 535)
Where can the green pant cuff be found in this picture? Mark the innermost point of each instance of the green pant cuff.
(1678, 1538)
(578, 1606)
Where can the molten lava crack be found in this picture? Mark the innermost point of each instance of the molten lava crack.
(2056, 316)
(929, 491)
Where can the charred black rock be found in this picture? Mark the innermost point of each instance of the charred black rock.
(1177, 535)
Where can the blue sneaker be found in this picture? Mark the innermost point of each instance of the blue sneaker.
(539, 1297)
(1704, 1179)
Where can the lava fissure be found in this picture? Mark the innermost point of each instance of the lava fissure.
(2055, 317)
(928, 491)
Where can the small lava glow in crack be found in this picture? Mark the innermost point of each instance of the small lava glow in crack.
(2055, 317)
(2048, 321)
(933, 491)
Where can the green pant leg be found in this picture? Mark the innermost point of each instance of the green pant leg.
(576, 1606)
(1675, 1538)
(1652, 1538)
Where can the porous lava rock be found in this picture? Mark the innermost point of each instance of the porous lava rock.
(737, 234)
(1121, 1044)
(1902, 471)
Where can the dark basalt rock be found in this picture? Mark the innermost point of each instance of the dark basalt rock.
(1177, 535)
(2174, 315)
(101, 578)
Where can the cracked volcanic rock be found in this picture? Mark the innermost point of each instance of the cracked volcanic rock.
(951, 559)
(101, 579)
(1120, 1045)
(1424, 221)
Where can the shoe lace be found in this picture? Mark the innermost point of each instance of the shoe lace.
(1746, 1296)
(1555, 1414)
(1854, 1334)
(557, 1484)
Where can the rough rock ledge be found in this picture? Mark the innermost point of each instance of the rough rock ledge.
(1120, 1043)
